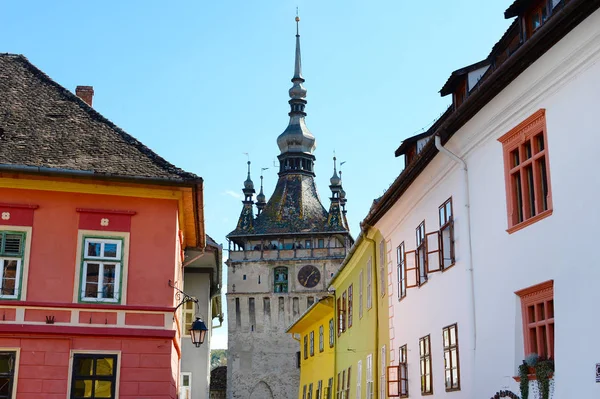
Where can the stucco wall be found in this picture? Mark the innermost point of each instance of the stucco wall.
(53, 262)
(43, 368)
(197, 360)
(566, 83)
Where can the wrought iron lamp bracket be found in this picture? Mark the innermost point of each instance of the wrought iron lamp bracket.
(182, 297)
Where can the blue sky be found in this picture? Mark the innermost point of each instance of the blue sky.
(203, 82)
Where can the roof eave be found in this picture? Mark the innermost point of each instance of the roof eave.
(557, 27)
(91, 175)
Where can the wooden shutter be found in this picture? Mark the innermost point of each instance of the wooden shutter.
(393, 381)
(411, 269)
(433, 251)
(403, 375)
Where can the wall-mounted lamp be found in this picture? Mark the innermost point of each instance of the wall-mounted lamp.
(198, 329)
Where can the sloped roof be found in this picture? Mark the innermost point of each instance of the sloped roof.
(45, 127)
(294, 208)
(453, 79)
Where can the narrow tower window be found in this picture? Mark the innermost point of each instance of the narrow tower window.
(281, 279)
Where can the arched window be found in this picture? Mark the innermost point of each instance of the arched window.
(281, 279)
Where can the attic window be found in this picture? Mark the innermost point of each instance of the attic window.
(537, 17)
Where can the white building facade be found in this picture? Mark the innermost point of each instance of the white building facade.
(520, 173)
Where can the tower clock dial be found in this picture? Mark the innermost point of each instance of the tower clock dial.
(309, 276)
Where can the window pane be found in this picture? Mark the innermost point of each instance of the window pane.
(530, 190)
(83, 388)
(448, 379)
(539, 141)
(103, 389)
(454, 358)
(5, 387)
(527, 150)
(518, 196)
(550, 308)
(110, 250)
(93, 248)
(514, 155)
(543, 181)
(91, 286)
(541, 314)
(531, 314)
(452, 335)
(83, 366)
(455, 378)
(9, 277)
(7, 363)
(533, 340)
(105, 366)
(446, 338)
(186, 381)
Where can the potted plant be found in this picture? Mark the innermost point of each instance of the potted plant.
(536, 368)
(544, 369)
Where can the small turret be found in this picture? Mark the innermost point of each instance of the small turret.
(337, 218)
(260, 198)
(246, 220)
(248, 186)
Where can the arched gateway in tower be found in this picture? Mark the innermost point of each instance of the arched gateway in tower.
(281, 260)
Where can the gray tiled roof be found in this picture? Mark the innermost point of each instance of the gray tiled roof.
(294, 208)
(43, 125)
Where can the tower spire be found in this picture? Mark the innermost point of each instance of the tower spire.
(298, 59)
(297, 139)
(260, 198)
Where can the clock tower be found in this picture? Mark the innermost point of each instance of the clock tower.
(281, 261)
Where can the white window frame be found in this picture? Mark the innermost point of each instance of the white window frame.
(102, 261)
(369, 283)
(20, 273)
(360, 294)
(359, 379)
(321, 338)
(369, 377)
(183, 390)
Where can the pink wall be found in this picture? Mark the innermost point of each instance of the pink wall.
(53, 260)
(145, 365)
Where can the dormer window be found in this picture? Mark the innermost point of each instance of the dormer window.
(536, 17)
(460, 94)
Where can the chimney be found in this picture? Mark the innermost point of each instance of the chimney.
(86, 93)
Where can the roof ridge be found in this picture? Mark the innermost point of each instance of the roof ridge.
(97, 116)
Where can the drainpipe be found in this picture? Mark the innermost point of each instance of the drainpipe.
(455, 158)
(374, 280)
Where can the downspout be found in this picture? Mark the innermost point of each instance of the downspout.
(470, 274)
(374, 278)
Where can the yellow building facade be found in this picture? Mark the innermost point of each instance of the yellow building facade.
(361, 308)
(316, 330)
(354, 322)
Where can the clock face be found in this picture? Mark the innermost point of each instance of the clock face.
(309, 276)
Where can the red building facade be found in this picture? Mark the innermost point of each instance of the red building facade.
(93, 226)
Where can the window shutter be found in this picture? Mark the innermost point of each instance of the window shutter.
(403, 375)
(434, 258)
(393, 381)
(12, 244)
(411, 267)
